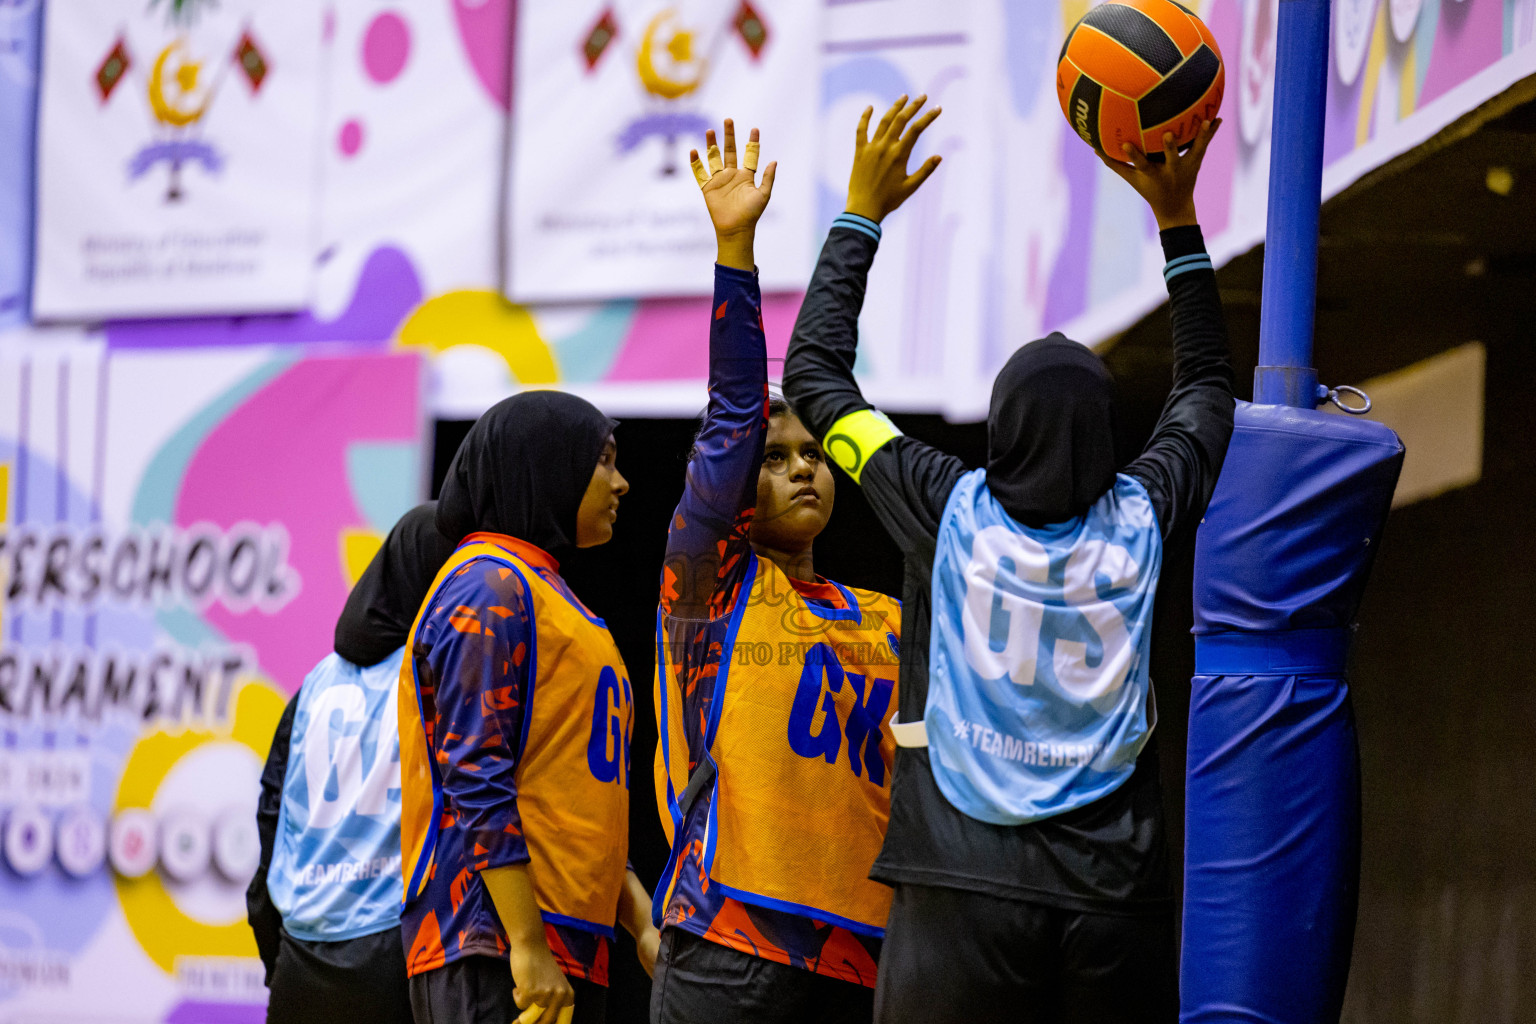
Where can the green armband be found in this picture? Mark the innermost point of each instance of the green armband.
(857, 436)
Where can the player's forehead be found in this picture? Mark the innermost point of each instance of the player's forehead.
(786, 430)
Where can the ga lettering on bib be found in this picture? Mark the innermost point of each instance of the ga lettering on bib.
(573, 768)
(335, 870)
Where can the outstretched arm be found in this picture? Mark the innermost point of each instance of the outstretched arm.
(818, 371)
(708, 536)
(1183, 459)
(907, 481)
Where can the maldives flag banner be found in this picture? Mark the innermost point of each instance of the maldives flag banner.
(607, 100)
(177, 158)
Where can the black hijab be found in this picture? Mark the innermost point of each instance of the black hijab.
(1051, 432)
(379, 611)
(523, 468)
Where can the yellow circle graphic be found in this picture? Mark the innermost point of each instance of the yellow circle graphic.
(162, 929)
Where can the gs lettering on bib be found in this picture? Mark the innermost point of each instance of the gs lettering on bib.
(1038, 689)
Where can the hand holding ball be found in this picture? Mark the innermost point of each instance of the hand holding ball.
(1132, 70)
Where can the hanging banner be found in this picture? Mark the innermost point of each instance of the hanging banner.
(21, 24)
(171, 572)
(1020, 232)
(608, 98)
(177, 158)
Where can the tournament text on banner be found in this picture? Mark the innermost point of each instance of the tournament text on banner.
(171, 570)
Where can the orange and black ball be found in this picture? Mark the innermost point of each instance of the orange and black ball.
(1132, 70)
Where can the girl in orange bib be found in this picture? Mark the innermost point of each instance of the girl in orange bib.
(514, 735)
(774, 690)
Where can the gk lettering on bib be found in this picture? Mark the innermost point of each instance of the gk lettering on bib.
(1038, 689)
(802, 746)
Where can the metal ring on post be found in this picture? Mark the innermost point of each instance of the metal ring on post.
(1353, 410)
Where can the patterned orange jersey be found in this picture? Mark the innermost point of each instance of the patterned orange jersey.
(515, 716)
(784, 689)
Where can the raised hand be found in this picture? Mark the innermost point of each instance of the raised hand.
(1168, 187)
(731, 193)
(880, 182)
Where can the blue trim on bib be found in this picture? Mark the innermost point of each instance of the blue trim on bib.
(577, 923)
(852, 613)
(558, 584)
(533, 643)
(663, 674)
(800, 909)
(727, 649)
(418, 880)
(711, 826)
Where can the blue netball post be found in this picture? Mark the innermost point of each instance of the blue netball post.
(1272, 843)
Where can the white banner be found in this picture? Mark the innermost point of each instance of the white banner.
(177, 158)
(607, 100)
(1020, 232)
(169, 573)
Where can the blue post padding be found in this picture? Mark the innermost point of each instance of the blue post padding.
(1295, 194)
(1272, 850)
(1292, 527)
(1272, 828)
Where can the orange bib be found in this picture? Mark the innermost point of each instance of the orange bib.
(801, 741)
(573, 770)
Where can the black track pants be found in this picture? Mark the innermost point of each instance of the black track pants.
(355, 979)
(703, 982)
(478, 990)
(957, 957)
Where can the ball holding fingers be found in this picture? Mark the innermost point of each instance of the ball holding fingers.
(1132, 70)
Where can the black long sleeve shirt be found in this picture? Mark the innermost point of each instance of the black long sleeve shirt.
(1109, 856)
(265, 920)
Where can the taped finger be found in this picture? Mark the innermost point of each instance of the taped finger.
(749, 159)
(715, 162)
(699, 173)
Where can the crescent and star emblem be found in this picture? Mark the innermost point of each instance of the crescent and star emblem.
(684, 70)
(185, 76)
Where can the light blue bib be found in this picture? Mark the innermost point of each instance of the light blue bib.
(1037, 682)
(336, 864)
